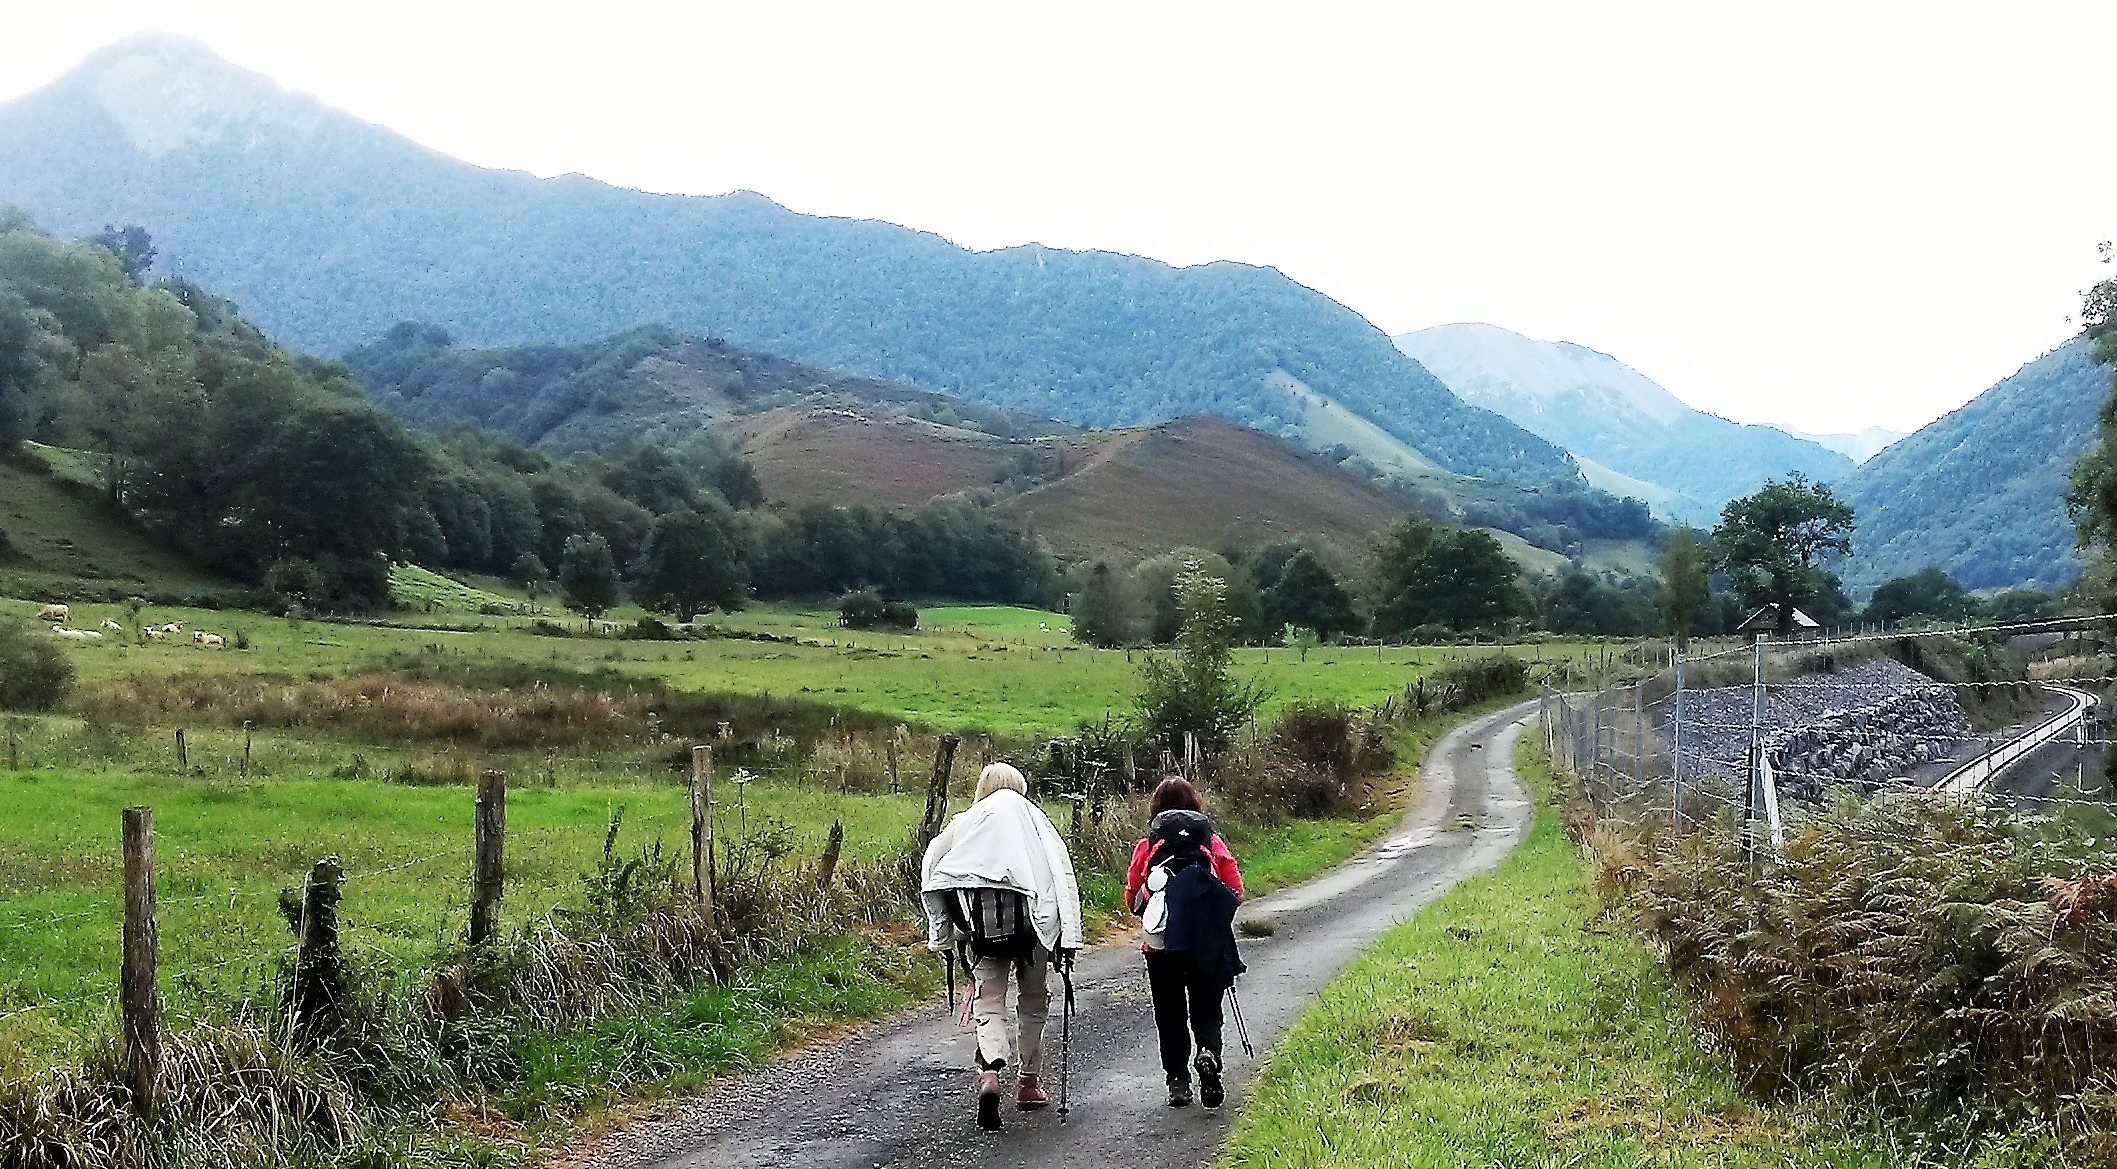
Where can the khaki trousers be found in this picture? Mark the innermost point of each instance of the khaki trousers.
(988, 1009)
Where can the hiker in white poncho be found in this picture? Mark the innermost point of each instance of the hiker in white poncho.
(999, 891)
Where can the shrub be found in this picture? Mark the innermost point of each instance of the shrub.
(35, 674)
(1477, 680)
(865, 609)
(1193, 691)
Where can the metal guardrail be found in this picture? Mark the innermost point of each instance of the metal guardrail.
(1976, 774)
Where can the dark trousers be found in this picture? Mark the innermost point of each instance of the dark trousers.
(1185, 1005)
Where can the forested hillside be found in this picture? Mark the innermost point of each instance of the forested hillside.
(651, 383)
(1981, 492)
(1611, 416)
(278, 472)
(330, 230)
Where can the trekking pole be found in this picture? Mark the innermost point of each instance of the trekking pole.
(948, 959)
(1066, 1036)
(1242, 1029)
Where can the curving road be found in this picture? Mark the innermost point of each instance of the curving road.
(898, 1093)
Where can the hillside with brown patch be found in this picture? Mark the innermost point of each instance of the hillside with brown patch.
(836, 455)
(1123, 494)
(1196, 481)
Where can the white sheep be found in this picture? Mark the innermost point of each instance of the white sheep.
(155, 634)
(109, 624)
(173, 627)
(76, 634)
(53, 613)
(209, 640)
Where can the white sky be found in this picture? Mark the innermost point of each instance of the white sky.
(1822, 215)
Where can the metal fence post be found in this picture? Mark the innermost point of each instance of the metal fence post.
(1676, 750)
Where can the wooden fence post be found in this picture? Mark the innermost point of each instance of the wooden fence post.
(319, 974)
(140, 1003)
(11, 764)
(889, 752)
(703, 879)
(937, 791)
(183, 752)
(489, 868)
(827, 868)
(246, 748)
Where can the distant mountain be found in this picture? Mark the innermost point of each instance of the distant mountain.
(329, 230)
(1630, 435)
(1860, 446)
(1981, 492)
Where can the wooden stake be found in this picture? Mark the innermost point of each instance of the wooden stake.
(703, 880)
(246, 748)
(140, 1004)
(937, 791)
(319, 977)
(828, 867)
(183, 753)
(489, 867)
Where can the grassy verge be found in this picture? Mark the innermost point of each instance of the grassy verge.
(1505, 1026)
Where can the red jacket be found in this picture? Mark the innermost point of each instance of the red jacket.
(1143, 858)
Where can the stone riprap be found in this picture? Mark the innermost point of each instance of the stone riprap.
(1864, 725)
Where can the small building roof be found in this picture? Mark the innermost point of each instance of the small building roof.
(1767, 619)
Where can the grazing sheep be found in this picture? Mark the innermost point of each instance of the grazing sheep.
(53, 613)
(76, 634)
(109, 624)
(173, 627)
(209, 640)
(157, 634)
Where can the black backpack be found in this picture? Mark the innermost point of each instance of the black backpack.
(998, 922)
(1180, 837)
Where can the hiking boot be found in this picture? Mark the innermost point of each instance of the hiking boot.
(1029, 1095)
(989, 1101)
(1210, 1093)
(1179, 1093)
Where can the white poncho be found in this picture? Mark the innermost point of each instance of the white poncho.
(1003, 841)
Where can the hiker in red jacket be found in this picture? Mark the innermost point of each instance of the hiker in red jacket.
(1187, 985)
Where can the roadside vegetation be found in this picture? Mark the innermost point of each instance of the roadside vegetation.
(1510, 1024)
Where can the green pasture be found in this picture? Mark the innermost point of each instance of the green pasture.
(984, 669)
(226, 847)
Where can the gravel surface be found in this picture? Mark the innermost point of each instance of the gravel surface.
(899, 1093)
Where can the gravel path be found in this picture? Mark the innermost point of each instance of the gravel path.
(899, 1093)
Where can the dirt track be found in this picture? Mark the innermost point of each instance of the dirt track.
(898, 1093)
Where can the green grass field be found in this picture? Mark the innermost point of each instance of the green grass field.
(1510, 1024)
(977, 669)
(397, 812)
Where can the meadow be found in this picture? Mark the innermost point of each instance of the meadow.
(251, 809)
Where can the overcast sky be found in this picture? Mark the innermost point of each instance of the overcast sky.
(1827, 216)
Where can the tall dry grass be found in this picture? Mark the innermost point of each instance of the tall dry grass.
(1948, 963)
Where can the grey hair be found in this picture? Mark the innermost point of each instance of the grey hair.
(998, 776)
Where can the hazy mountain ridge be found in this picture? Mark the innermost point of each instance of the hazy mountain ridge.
(1980, 492)
(329, 230)
(1859, 446)
(1605, 412)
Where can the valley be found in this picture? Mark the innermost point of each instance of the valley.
(493, 661)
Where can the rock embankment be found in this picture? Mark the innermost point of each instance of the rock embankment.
(1864, 725)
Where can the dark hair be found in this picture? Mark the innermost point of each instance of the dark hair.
(1174, 791)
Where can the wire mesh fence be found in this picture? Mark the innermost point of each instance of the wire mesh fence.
(1761, 735)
